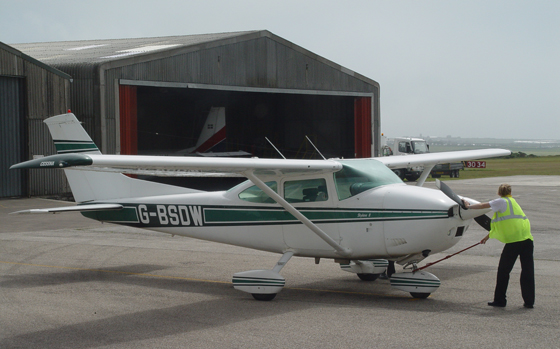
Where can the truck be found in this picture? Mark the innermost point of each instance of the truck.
(407, 146)
(451, 170)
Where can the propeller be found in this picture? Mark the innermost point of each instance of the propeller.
(483, 220)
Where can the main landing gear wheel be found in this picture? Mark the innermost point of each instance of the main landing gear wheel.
(368, 277)
(420, 295)
(264, 296)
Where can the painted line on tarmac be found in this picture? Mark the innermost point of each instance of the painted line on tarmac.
(199, 280)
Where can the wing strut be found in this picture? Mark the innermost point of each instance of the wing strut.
(424, 175)
(343, 251)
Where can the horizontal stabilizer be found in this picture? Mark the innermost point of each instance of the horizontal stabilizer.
(78, 208)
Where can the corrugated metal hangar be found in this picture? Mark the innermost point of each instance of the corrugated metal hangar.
(29, 91)
(152, 95)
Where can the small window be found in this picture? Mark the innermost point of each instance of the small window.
(308, 190)
(255, 194)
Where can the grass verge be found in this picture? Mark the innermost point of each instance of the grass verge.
(533, 166)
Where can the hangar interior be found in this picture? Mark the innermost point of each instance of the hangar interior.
(171, 119)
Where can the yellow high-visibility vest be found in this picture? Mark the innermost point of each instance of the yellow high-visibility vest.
(511, 225)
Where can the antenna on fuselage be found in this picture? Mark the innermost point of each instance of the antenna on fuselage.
(309, 140)
(275, 148)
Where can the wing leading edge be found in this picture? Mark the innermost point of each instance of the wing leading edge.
(440, 158)
(182, 166)
(78, 208)
(195, 166)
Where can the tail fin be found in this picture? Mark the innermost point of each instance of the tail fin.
(214, 130)
(70, 137)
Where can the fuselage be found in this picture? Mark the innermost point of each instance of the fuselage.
(374, 214)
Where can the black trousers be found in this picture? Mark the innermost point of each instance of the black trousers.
(523, 249)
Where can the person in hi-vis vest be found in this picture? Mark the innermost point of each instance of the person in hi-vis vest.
(511, 226)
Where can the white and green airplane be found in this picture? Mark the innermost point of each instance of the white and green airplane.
(355, 211)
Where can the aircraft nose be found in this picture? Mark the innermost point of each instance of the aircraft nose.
(418, 198)
(424, 219)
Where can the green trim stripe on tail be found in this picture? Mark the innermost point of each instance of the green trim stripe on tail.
(66, 146)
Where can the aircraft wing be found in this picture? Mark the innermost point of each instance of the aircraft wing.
(402, 161)
(78, 208)
(181, 166)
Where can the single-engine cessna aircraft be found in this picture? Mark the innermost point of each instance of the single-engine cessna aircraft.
(355, 211)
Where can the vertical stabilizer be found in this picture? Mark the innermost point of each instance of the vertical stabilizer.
(70, 137)
(213, 132)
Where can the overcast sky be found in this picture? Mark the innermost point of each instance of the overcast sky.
(471, 68)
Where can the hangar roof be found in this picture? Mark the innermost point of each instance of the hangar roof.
(32, 60)
(102, 51)
(121, 52)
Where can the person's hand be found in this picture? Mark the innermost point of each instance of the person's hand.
(466, 203)
(483, 241)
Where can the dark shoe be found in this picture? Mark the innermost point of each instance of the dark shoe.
(530, 306)
(496, 304)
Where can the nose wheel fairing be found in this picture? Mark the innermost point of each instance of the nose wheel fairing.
(419, 284)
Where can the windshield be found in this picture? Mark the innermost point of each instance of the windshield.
(255, 194)
(419, 147)
(358, 176)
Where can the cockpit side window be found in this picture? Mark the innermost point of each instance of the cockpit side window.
(255, 194)
(358, 176)
(307, 190)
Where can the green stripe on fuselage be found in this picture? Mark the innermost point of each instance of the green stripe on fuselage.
(254, 215)
(165, 215)
(128, 215)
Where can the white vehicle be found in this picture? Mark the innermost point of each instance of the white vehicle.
(356, 212)
(405, 146)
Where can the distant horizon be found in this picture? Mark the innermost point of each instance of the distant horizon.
(554, 140)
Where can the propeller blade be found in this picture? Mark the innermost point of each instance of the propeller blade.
(447, 191)
(483, 221)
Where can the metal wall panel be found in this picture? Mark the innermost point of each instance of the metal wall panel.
(43, 92)
(44, 182)
(11, 152)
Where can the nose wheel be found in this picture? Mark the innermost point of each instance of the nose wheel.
(368, 277)
(420, 295)
(264, 296)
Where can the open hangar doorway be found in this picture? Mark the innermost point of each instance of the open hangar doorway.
(170, 120)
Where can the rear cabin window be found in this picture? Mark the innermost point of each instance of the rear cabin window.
(358, 176)
(255, 194)
(308, 190)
